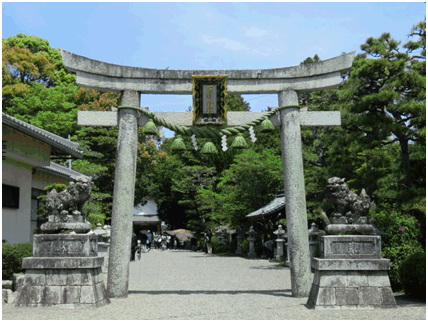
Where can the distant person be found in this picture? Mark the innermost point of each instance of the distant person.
(133, 246)
(139, 249)
(175, 243)
(268, 246)
(168, 240)
(159, 242)
(163, 242)
(207, 238)
(149, 241)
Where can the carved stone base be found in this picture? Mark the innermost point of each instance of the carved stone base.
(56, 227)
(358, 288)
(336, 229)
(350, 274)
(63, 282)
(251, 253)
(65, 245)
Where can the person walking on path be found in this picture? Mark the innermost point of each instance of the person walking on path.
(163, 242)
(207, 238)
(149, 241)
(133, 246)
(268, 246)
(168, 239)
(139, 249)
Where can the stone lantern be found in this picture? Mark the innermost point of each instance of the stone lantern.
(252, 239)
(279, 242)
(314, 234)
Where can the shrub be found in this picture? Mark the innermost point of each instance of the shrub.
(413, 275)
(200, 244)
(401, 239)
(245, 246)
(12, 258)
(217, 247)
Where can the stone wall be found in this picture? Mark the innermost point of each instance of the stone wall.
(82, 287)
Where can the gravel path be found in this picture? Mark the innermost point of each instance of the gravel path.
(184, 285)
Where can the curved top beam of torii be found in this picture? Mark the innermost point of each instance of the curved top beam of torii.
(107, 77)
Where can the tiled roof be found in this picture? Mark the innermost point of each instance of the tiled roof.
(59, 145)
(146, 213)
(150, 208)
(275, 205)
(61, 170)
(145, 218)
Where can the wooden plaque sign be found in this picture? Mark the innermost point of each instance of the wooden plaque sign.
(209, 100)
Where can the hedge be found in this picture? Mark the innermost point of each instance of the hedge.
(12, 258)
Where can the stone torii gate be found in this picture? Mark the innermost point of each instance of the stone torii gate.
(132, 81)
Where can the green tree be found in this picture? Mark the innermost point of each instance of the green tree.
(248, 184)
(380, 145)
(37, 89)
(386, 97)
(175, 180)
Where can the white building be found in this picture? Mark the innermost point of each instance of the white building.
(26, 171)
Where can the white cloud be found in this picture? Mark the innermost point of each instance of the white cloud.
(256, 32)
(207, 15)
(30, 16)
(224, 42)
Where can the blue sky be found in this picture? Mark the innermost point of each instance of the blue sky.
(214, 35)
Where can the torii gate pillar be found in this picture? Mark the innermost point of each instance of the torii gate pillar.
(123, 196)
(295, 197)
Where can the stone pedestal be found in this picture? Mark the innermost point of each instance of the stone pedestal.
(350, 274)
(209, 248)
(55, 225)
(240, 234)
(64, 271)
(65, 245)
(251, 253)
(251, 241)
(279, 243)
(279, 249)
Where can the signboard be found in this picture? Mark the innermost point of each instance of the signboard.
(209, 100)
